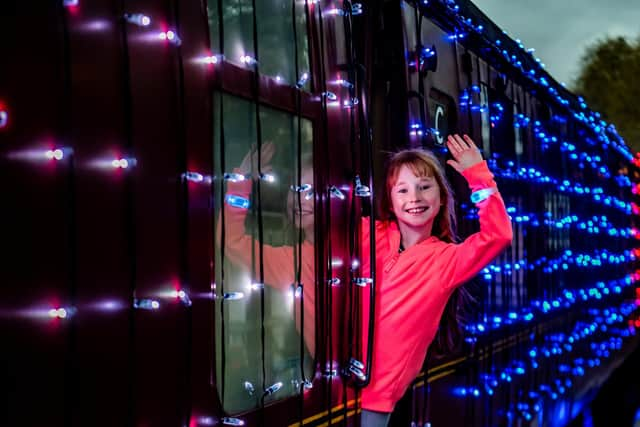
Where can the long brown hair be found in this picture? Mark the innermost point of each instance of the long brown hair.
(424, 163)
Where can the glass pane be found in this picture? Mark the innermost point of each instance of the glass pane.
(484, 121)
(276, 42)
(287, 219)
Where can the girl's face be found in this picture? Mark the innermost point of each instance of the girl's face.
(415, 200)
(303, 213)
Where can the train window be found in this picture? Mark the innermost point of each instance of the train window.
(277, 48)
(264, 256)
(485, 122)
(518, 131)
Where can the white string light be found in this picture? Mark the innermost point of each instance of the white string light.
(233, 296)
(138, 19)
(146, 304)
(171, 37)
(335, 192)
(4, 118)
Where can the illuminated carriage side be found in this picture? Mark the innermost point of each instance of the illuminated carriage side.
(566, 180)
(143, 321)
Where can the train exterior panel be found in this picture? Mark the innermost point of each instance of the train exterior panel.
(156, 276)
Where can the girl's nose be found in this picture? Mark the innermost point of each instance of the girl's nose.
(414, 194)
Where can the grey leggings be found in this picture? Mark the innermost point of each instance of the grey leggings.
(374, 419)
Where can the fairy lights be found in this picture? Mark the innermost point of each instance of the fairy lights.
(237, 201)
(210, 59)
(171, 37)
(304, 78)
(233, 177)
(233, 296)
(4, 117)
(336, 192)
(121, 163)
(146, 304)
(196, 177)
(56, 154)
(356, 9)
(138, 19)
(361, 190)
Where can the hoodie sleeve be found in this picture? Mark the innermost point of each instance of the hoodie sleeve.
(468, 258)
(241, 248)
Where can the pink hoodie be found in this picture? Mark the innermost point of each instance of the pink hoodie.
(413, 288)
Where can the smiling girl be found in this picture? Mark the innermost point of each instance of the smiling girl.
(419, 265)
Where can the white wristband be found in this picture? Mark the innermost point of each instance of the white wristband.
(480, 195)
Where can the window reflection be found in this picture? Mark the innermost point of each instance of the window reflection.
(287, 254)
(277, 46)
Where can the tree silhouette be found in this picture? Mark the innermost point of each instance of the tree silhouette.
(609, 81)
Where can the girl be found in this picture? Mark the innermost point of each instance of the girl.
(278, 261)
(418, 265)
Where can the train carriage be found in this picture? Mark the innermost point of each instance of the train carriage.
(151, 280)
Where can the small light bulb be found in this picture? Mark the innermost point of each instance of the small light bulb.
(233, 177)
(4, 119)
(193, 176)
(138, 19)
(335, 192)
(303, 80)
(270, 178)
(256, 286)
(56, 154)
(233, 296)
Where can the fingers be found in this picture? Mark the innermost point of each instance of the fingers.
(268, 150)
(453, 144)
(456, 146)
(460, 144)
(469, 141)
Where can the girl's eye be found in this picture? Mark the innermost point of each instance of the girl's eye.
(402, 190)
(426, 187)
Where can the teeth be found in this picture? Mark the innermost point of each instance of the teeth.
(416, 210)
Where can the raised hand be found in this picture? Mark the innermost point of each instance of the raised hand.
(250, 162)
(464, 151)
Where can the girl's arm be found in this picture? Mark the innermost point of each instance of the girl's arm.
(466, 259)
(469, 257)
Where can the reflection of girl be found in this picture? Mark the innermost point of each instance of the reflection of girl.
(418, 265)
(278, 261)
